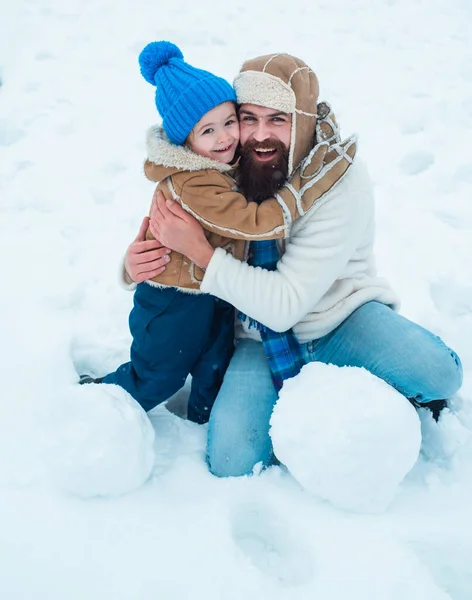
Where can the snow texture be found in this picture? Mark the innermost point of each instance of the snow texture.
(74, 111)
(104, 441)
(345, 435)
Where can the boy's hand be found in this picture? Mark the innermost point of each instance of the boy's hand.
(145, 259)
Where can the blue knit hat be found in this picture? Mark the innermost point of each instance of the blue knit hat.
(184, 94)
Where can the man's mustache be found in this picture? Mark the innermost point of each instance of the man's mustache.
(270, 143)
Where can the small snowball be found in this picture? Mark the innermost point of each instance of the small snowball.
(103, 441)
(345, 435)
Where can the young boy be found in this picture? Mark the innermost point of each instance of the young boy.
(177, 330)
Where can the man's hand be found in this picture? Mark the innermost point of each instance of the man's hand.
(145, 258)
(179, 230)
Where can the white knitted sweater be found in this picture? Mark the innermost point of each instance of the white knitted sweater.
(327, 270)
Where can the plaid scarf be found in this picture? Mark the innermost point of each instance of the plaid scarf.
(282, 349)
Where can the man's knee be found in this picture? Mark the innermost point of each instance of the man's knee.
(236, 453)
(440, 376)
(449, 373)
(225, 465)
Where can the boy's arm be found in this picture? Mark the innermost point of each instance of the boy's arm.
(209, 197)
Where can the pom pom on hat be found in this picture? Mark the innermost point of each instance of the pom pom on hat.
(154, 56)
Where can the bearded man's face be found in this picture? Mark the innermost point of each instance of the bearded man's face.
(265, 143)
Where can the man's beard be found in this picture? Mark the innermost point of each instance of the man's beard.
(261, 180)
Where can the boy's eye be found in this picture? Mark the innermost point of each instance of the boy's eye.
(230, 122)
(209, 130)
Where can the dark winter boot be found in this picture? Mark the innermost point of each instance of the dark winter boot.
(89, 379)
(435, 406)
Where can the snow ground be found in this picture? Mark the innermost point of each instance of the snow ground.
(73, 112)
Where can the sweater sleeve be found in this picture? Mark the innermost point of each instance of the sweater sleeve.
(314, 259)
(211, 199)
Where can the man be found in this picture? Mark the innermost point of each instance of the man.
(325, 286)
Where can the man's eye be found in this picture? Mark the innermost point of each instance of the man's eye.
(247, 119)
(209, 130)
(279, 119)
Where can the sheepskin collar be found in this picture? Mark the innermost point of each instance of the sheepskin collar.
(165, 158)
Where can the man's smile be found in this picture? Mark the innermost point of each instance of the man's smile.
(265, 154)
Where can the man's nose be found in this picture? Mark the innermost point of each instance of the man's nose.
(261, 132)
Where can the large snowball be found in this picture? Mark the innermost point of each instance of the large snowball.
(103, 441)
(345, 435)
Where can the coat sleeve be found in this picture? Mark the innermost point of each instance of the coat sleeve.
(211, 199)
(314, 259)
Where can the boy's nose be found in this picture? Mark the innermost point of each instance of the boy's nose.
(224, 139)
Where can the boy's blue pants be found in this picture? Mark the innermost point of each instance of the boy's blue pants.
(176, 334)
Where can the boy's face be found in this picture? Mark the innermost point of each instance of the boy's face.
(216, 135)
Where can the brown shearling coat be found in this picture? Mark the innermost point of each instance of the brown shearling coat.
(206, 189)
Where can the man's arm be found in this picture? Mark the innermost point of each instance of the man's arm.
(178, 230)
(313, 261)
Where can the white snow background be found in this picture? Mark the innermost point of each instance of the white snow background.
(73, 115)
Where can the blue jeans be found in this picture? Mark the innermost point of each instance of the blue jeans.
(408, 357)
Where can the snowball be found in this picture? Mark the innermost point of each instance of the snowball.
(103, 441)
(345, 435)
